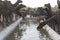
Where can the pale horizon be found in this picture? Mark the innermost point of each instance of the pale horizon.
(37, 3)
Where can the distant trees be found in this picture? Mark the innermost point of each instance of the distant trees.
(7, 9)
(53, 20)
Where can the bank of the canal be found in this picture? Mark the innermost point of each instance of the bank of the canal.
(28, 31)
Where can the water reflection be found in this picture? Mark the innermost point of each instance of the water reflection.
(32, 33)
(28, 31)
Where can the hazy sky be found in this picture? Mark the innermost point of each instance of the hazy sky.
(37, 3)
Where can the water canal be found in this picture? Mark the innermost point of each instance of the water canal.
(28, 31)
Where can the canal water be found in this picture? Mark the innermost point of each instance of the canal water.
(29, 31)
